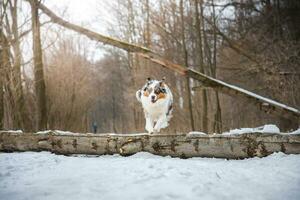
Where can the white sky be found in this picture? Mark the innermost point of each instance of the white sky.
(94, 14)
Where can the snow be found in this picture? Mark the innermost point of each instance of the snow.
(58, 132)
(181, 102)
(296, 132)
(44, 175)
(65, 132)
(195, 133)
(129, 134)
(268, 128)
(239, 131)
(43, 132)
(12, 131)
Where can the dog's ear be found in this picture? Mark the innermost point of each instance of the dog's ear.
(161, 83)
(149, 79)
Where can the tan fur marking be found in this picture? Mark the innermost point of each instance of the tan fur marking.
(161, 96)
(146, 93)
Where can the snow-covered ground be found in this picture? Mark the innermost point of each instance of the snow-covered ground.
(44, 175)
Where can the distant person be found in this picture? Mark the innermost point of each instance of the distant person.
(95, 127)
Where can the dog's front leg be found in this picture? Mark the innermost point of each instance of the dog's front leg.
(149, 125)
(162, 122)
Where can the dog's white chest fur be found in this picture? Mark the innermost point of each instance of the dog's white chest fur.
(155, 110)
(157, 100)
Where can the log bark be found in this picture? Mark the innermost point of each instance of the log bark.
(183, 146)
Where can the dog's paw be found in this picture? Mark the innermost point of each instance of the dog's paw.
(156, 130)
(164, 125)
(149, 129)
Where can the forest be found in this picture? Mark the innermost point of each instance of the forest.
(53, 79)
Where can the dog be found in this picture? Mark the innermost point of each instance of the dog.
(157, 101)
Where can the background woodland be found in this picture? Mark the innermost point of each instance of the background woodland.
(57, 84)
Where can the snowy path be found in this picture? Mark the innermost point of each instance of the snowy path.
(144, 176)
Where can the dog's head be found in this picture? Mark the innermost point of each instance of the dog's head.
(155, 90)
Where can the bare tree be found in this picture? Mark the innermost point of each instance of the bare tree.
(72, 81)
(185, 55)
(218, 114)
(22, 120)
(3, 61)
(201, 62)
(2, 65)
(38, 67)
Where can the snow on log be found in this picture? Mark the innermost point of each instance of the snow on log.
(183, 145)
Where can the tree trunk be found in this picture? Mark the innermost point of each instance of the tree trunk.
(131, 61)
(201, 67)
(1, 92)
(40, 87)
(185, 56)
(14, 118)
(3, 62)
(148, 34)
(218, 114)
(23, 120)
(6, 83)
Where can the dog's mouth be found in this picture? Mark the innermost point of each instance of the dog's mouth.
(153, 100)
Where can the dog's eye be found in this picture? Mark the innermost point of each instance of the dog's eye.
(145, 89)
(163, 90)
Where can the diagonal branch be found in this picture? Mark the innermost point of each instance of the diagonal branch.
(93, 35)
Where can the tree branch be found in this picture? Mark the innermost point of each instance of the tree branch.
(93, 35)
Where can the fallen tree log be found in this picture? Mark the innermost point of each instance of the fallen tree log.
(183, 145)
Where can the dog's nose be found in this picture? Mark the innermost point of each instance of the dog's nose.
(152, 97)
